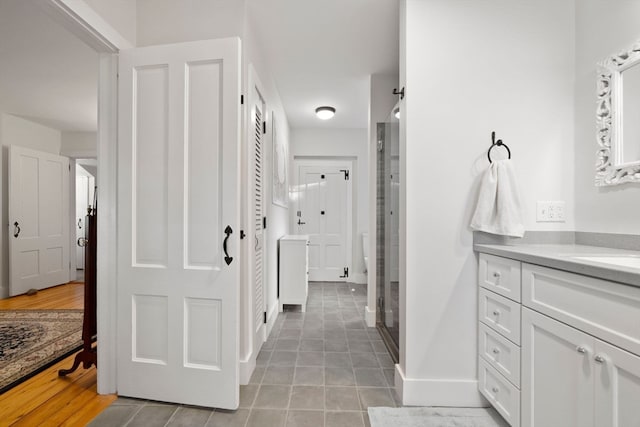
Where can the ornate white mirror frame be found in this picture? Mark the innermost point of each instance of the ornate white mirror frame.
(610, 166)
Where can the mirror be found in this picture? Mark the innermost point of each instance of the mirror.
(618, 118)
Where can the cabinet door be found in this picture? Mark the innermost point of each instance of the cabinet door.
(557, 373)
(617, 387)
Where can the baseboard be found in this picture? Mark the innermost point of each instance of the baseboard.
(246, 370)
(370, 317)
(360, 278)
(272, 315)
(438, 392)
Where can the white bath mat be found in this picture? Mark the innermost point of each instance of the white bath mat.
(435, 417)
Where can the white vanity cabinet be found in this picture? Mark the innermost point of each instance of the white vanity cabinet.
(579, 352)
(293, 270)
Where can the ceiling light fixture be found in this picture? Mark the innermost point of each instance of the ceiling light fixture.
(325, 113)
(396, 113)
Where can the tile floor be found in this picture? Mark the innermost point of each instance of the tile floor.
(322, 368)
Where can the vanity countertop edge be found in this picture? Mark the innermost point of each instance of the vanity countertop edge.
(559, 256)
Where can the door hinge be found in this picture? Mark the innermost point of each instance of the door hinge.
(241, 99)
(346, 273)
(242, 235)
(265, 316)
(346, 174)
(264, 127)
(264, 222)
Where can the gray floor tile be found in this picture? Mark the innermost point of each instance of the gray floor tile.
(341, 399)
(290, 334)
(266, 418)
(307, 397)
(375, 397)
(385, 360)
(310, 358)
(190, 417)
(300, 418)
(311, 345)
(263, 357)
(115, 415)
(256, 377)
(390, 374)
(273, 397)
(360, 347)
(370, 377)
(287, 344)
(379, 347)
(309, 375)
(283, 358)
(339, 376)
(129, 401)
(365, 360)
(336, 344)
(248, 395)
(343, 419)
(337, 360)
(222, 418)
(152, 415)
(279, 375)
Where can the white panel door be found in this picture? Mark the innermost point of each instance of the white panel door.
(325, 215)
(257, 148)
(178, 193)
(557, 374)
(617, 377)
(82, 202)
(38, 220)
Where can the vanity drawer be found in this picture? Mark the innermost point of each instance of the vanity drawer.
(607, 310)
(501, 275)
(501, 314)
(502, 395)
(500, 353)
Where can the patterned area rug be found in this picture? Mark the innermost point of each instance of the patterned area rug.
(32, 340)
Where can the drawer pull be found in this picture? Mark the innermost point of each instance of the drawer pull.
(495, 389)
(496, 350)
(496, 274)
(581, 349)
(599, 359)
(496, 312)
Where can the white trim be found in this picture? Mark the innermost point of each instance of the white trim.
(80, 154)
(246, 369)
(107, 196)
(272, 315)
(370, 317)
(438, 392)
(86, 24)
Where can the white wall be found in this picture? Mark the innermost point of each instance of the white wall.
(500, 65)
(602, 29)
(25, 133)
(171, 21)
(79, 144)
(382, 101)
(120, 14)
(336, 143)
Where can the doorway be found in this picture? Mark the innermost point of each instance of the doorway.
(86, 173)
(324, 212)
(387, 241)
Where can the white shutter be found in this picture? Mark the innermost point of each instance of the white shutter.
(259, 237)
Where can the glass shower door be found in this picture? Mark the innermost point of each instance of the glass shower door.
(388, 226)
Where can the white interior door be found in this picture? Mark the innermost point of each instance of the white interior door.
(38, 220)
(257, 147)
(82, 201)
(178, 216)
(324, 213)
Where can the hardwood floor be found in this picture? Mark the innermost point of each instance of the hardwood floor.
(46, 399)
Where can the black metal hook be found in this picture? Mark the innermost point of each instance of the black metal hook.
(399, 92)
(496, 143)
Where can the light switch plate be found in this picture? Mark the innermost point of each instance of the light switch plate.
(550, 211)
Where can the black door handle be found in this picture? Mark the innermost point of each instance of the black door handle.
(80, 223)
(228, 232)
(16, 229)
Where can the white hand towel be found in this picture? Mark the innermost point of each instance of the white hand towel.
(499, 210)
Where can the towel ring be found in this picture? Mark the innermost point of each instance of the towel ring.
(498, 143)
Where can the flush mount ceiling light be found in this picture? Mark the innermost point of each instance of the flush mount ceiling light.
(325, 113)
(396, 113)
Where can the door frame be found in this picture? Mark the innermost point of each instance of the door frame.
(338, 162)
(91, 28)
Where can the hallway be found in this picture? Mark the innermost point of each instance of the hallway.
(319, 368)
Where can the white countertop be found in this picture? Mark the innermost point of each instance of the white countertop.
(563, 257)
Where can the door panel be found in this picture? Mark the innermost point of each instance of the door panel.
(325, 208)
(178, 155)
(38, 220)
(617, 388)
(82, 201)
(557, 373)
